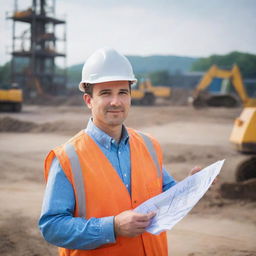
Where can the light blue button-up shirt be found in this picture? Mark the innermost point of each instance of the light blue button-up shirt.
(57, 223)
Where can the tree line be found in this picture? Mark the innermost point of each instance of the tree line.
(245, 61)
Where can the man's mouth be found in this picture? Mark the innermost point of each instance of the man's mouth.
(115, 110)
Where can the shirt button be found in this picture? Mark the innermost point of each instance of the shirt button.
(107, 240)
(126, 185)
(124, 175)
(119, 152)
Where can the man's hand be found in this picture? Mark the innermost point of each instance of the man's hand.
(195, 170)
(198, 169)
(130, 223)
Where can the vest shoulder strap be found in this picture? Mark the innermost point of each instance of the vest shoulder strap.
(77, 178)
(151, 149)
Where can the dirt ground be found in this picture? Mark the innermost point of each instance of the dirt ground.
(216, 226)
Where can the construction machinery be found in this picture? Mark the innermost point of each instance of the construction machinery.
(220, 87)
(145, 93)
(11, 98)
(243, 136)
(38, 49)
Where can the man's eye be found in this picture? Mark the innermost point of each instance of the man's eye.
(124, 92)
(104, 93)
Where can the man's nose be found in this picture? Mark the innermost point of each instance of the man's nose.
(115, 100)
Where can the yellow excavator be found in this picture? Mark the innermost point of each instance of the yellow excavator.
(229, 93)
(11, 97)
(144, 93)
(243, 136)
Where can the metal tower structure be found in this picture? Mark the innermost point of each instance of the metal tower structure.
(35, 63)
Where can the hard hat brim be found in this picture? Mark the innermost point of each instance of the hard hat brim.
(106, 79)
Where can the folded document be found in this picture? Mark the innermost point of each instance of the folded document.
(175, 203)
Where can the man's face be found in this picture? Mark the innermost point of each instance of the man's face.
(110, 103)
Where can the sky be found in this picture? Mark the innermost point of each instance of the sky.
(195, 28)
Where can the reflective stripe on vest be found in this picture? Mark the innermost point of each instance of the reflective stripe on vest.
(152, 151)
(78, 178)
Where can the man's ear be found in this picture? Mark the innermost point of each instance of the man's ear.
(87, 100)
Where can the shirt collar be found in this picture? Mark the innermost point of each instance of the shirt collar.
(103, 138)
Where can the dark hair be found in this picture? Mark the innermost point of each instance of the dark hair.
(88, 88)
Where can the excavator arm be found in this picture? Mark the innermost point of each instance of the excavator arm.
(234, 76)
(240, 89)
(213, 72)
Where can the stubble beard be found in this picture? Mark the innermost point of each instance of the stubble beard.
(115, 119)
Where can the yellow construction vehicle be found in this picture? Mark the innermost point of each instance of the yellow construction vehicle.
(243, 136)
(11, 97)
(226, 91)
(145, 93)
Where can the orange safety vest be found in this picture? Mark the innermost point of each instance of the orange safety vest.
(99, 191)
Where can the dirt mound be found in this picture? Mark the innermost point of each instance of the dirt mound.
(239, 190)
(65, 100)
(19, 237)
(8, 124)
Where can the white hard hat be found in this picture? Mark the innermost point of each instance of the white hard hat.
(106, 65)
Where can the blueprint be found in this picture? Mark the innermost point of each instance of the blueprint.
(175, 203)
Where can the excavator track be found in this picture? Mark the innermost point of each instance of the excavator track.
(215, 101)
(222, 101)
(246, 170)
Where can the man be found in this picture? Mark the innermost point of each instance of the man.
(102, 173)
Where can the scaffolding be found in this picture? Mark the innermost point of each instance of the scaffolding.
(34, 49)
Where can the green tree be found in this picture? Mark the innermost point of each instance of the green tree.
(245, 61)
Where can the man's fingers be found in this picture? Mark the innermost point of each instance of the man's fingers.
(144, 217)
(195, 170)
(142, 225)
(151, 215)
(130, 223)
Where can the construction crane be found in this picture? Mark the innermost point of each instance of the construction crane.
(34, 49)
